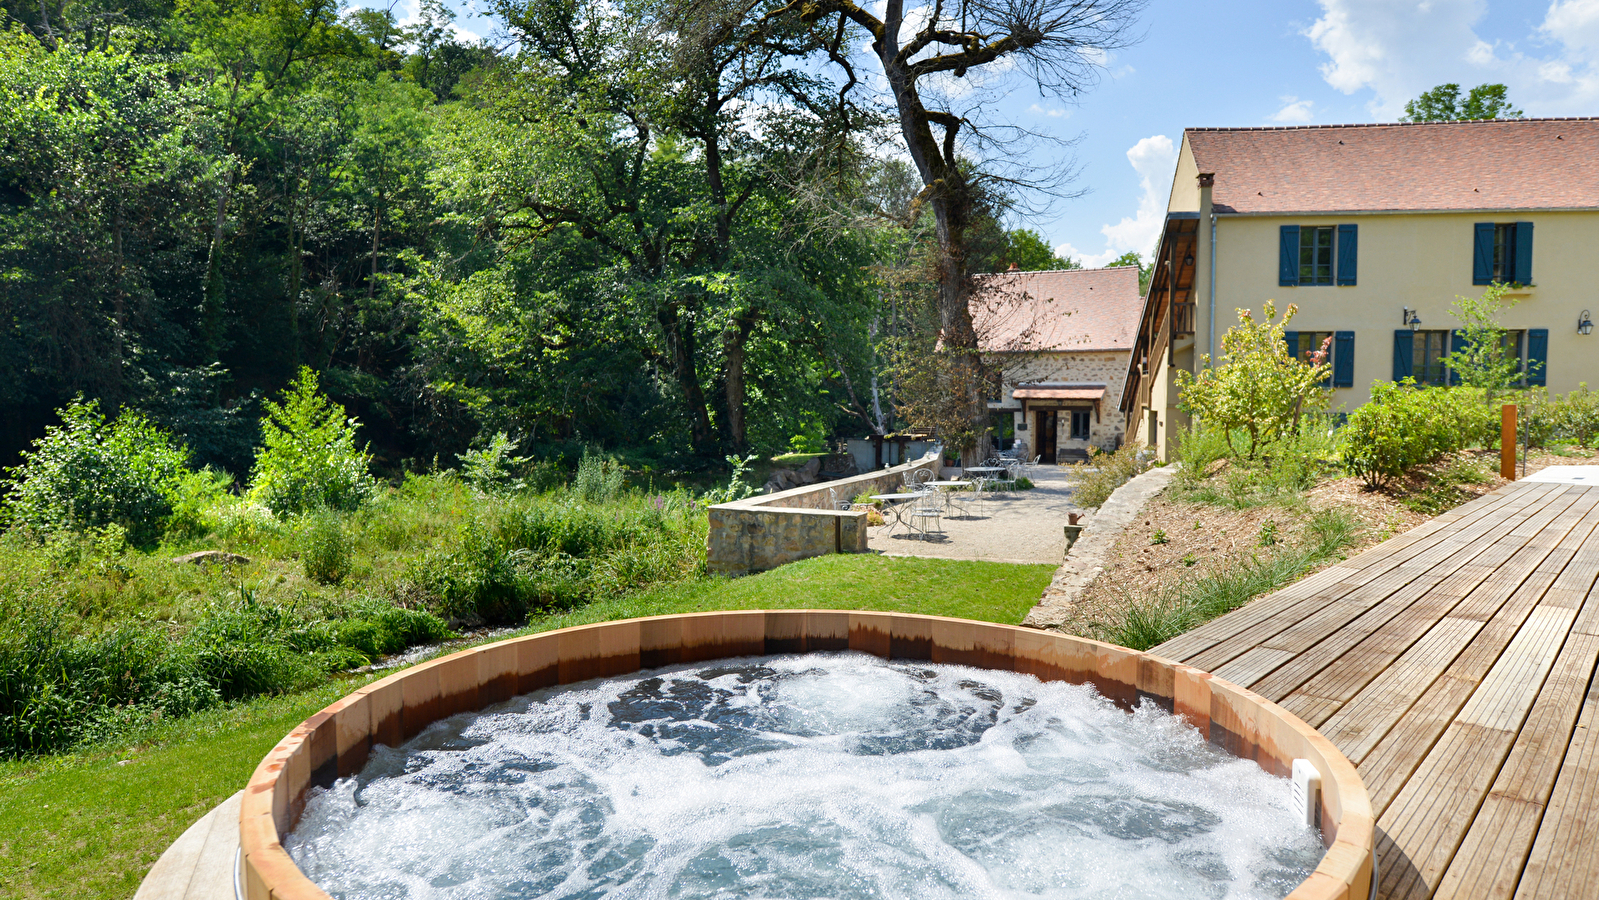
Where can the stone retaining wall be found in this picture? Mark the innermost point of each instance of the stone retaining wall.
(336, 742)
(766, 531)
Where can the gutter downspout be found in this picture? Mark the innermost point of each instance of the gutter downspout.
(1212, 323)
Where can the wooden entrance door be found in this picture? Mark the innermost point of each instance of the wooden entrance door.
(1044, 434)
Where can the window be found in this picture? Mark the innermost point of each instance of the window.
(1340, 352)
(1428, 349)
(1316, 255)
(1502, 252)
(1309, 342)
(1080, 424)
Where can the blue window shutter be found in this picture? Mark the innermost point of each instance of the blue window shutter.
(1482, 255)
(1291, 338)
(1523, 270)
(1403, 351)
(1537, 355)
(1346, 253)
(1457, 343)
(1288, 256)
(1343, 374)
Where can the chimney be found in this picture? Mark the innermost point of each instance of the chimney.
(1013, 268)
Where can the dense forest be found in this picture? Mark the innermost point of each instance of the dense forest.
(616, 225)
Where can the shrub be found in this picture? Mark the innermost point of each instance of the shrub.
(495, 467)
(599, 479)
(89, 473)
(1403, 426)
(1578, 415)
(1540, 417)
(325, 548)
(1261, 391)
(1106, 472)
(309, 459)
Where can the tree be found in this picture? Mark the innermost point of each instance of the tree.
(1261, 389)
(308, 459)
(1025, 249)
(1057, 44)
(1484, 359)
(1443, 104)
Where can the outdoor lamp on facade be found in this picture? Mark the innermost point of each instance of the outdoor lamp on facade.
(1584, 324)
(1409, 317)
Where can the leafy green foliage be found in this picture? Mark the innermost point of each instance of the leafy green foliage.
(326, 551)
(1260, 390)
(1027, 250)
(1104, 473)
(1578, 415)
(495, 467)
(1444, 104)
(1484, 360)
(308, 459)
(1212, 472)
(1403, 426)
(90, 473)
(599, 478)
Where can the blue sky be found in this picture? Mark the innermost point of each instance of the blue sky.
(1285, 62)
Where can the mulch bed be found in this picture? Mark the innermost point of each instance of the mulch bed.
(1199, 538)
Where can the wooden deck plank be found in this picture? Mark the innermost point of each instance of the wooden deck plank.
(1337, 581)
(1563, 862)
(1455, 665)
(1428, 819)
(1392, 762)
(1442, 557)
(1251, 666)
(1366, 718)
(1490, 860)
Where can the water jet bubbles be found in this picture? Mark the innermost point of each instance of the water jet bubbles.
(826, 775)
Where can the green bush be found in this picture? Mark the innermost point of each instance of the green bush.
(1404, 426)
(89, 473)
(1104, 474)
(1539, 417)
(496, 467)
(309, 459)
(1578, 415)
(599, 479)
(325, 550)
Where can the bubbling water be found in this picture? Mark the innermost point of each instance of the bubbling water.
(813, 776)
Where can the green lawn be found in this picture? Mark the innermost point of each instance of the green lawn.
(84, 826)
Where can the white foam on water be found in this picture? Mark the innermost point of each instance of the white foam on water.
(815, 776)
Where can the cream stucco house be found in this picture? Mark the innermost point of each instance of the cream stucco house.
(1372, 231)
(1063, 339)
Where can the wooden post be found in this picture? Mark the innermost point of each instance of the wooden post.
(1507, 442)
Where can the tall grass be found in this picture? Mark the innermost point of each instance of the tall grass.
(1104, 473)
(1279, 475)
(1182, 607)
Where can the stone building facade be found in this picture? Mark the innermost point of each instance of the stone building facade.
(1063, 340)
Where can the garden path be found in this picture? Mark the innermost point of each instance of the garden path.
(1015, 526)
(1454, 665)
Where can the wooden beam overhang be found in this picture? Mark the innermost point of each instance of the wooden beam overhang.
(1168, 310)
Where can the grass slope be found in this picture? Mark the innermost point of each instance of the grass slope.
(82, 826)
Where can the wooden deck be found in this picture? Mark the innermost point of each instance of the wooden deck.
(1454, 665)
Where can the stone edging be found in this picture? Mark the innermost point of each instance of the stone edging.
(1086, 559)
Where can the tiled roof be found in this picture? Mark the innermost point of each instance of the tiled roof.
(1506, 164)
(1064, 309)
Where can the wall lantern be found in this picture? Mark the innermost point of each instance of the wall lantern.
(1409, 317)
(1584, 324)
(1188, 260)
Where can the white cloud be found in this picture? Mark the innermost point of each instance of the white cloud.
(1154, 159)
(1053, 112)
(1294, 110)
(1398, 50)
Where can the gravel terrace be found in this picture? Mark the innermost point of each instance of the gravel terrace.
(1015, 527)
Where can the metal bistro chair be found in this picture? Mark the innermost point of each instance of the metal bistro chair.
(928, 508)
(963, 501)
(840, 505)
